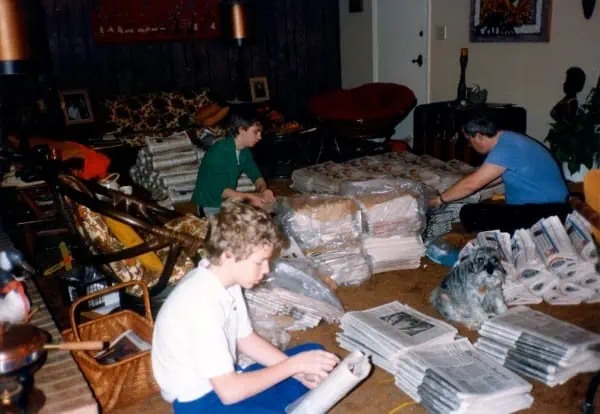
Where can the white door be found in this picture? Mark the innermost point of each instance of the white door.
(400, 36)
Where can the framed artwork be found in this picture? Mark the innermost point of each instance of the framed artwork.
(126, 21)
(76, 107)
(259, 89)
(510, 20)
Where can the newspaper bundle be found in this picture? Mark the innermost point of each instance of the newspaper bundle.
(548, 262)
(167, 167)
(539, 346)
(346, 376)
(457, 378)
(388, 331)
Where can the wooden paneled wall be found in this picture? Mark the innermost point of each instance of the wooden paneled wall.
(295, 43)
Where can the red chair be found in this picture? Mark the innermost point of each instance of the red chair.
(368, 111)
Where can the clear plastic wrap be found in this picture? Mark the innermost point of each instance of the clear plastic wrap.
(389, 207)
(319, 220)
(302, 276)
(347, 264)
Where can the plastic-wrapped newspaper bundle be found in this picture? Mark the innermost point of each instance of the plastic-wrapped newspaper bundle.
(320, 220)
(294, 288)
(457, 378)
(347, 263)
(327, 229)
(393, 214)
(388, 331)
(326, 178)
(539, 346)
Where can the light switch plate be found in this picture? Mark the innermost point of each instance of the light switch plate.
(442, 32)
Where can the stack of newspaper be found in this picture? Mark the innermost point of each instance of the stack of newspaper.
(394, 253)
(307, 312)
(346, 264)
(456, 378)
(539, 346)
(168, 166)
(388, 331)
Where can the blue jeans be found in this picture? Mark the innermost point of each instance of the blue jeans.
(271, 401)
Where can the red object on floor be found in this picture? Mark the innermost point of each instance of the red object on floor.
(399, 146)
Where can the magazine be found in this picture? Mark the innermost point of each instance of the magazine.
(125, 345)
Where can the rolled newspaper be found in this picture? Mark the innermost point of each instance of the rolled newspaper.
(347, 375)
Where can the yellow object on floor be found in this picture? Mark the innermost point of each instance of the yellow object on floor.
(591, 190)
(497, 197)
(130, 238)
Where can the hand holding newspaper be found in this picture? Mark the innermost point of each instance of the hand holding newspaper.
(347, 375)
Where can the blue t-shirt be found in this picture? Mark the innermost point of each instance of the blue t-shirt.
(532, 176)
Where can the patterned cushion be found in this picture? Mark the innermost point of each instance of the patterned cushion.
(154, 111)
(103, 240)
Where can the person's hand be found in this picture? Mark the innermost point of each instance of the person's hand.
(435, 202)
(255, 199)
(309, 381)
(268, 196)
(317, 363)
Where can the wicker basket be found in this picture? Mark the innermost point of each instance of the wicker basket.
(129, 380)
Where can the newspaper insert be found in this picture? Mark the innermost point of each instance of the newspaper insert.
(347, 375)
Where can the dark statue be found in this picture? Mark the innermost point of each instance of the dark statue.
(566, 109)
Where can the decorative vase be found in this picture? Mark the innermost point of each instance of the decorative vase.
(461, 92)
(576, 177)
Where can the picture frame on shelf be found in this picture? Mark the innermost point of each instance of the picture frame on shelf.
(496, 21)
(76, 106)
(259, 89)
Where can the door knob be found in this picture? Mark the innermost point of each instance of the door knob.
(418, 60)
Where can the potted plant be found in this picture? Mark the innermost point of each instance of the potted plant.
(575, 141)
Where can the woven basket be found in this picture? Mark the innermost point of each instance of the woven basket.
(129, 380)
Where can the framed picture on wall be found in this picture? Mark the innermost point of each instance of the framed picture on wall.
(76, 107)
(510, 20)
(259, 89)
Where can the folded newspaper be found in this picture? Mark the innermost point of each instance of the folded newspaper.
(346, 376)
(123, 346)
(388, 331)
(457, 378)
(539, 346)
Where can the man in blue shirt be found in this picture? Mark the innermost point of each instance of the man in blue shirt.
(534, 184)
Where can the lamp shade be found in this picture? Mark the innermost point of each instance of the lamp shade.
(14, 50)
(239, 22)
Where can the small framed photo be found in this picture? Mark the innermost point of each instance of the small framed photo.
(76, 107)
(259, 89)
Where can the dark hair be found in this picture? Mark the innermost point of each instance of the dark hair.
(575, 79)
(479, 124)
(235, 122)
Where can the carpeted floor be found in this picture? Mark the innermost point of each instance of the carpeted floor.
(378, 394)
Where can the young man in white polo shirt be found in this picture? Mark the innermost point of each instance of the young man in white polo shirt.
(204, 323)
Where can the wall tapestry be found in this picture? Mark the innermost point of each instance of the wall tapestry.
(125, 21)
(510, 20)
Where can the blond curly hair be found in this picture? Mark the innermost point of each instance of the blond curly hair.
(239, 228)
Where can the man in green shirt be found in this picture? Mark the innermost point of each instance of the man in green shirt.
(223, 164)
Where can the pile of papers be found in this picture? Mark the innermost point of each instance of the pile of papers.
(394, 253)
(536, 345)
(389, 331)
(550, 262)
(457, 378)
(346, 264)
(306, 312)
(167, 167)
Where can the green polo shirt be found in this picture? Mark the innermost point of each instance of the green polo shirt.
(220, 170)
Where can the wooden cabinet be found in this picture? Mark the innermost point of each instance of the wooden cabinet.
(437, 128)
